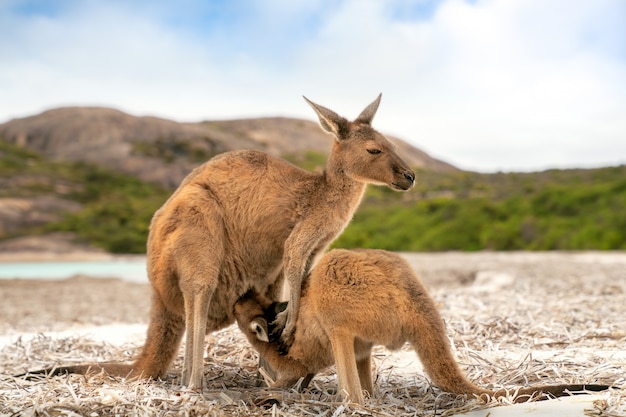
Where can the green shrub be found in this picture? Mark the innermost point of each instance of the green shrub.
(555, 209)
(552, 210)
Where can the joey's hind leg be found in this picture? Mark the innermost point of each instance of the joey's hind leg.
(364, 367)
(345, 360)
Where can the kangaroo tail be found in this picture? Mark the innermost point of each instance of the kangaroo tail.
(433, 348)
(162, 341)
(431, 344)
(111, 368)
(165, 332)
(545, 392)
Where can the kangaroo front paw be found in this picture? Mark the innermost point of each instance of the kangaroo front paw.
(279, 322)
(286, 338)
(283, 331)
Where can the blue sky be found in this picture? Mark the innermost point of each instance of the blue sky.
(485, 84)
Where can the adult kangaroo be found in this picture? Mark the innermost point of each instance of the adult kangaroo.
(352, 300)
(239, 221)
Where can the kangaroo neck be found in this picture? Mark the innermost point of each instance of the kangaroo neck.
(340, 187)
(337, 178)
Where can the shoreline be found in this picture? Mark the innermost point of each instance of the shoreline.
(94, 255)
(78, 256)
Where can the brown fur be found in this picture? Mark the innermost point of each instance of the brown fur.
(351, 301)
(237, 222)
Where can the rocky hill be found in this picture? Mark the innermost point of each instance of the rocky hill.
(80, 184)
(92, 172)
(164, 151)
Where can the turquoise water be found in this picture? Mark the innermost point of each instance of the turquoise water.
(128, 269)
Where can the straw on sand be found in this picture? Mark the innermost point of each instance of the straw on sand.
(526, 322)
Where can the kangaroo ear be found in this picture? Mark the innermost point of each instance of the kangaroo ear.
(331, 122)
(368, 114)
(259, 327)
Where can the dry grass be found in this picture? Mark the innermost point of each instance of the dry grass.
(531, 321)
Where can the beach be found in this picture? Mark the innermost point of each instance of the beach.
(514, 319)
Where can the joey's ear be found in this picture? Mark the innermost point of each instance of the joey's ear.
(367, 115)
(331, 122)
(259, 327)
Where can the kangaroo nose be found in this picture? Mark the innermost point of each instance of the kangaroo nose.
(409, 175)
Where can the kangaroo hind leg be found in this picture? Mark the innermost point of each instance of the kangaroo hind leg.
(343, 349)
(196, 312)
(199, 254)
(200, 269)
(364, 367)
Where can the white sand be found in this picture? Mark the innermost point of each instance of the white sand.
(114, 334)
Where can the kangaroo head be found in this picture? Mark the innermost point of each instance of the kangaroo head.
(255, 315)
(265, 327)
(362, 153)
(259, 327)
(248, 312)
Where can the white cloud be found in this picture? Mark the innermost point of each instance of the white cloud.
(495, 84)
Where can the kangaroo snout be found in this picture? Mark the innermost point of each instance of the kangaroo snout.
(405, 180)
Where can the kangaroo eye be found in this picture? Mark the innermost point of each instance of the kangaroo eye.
(374, 151)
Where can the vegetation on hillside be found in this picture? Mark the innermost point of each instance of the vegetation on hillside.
(170, 149)
(116, 213)
(556, 209)
(310, 160)
(116, 208)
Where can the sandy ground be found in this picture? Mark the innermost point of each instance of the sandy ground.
(43, 306)
(513, 318)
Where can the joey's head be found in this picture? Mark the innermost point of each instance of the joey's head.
(255, 316)
(362, 153)
(250, 318)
